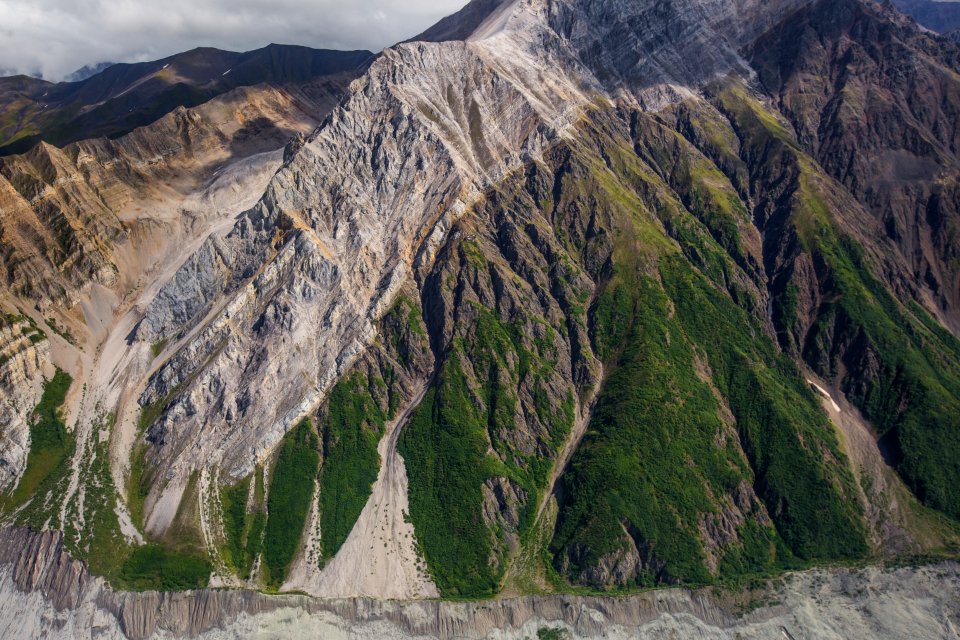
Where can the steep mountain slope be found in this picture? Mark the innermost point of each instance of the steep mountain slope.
(89, 232)
(894, 148)
(67, 210)
(24, 351)
(569, 295)
(875, 103)
(123, 97)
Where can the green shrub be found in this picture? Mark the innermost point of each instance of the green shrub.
(352, 429)
(650, 461)
(235, 525)
(801, 474)
(153, 568)
(913, 396)
(291, 491)
(444, 447)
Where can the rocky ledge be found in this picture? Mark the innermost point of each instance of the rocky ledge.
(45, 593)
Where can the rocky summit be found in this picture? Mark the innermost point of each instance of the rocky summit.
(566, 318)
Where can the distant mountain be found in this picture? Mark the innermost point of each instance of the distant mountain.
(939, 16)
(123, 97)
(88, 71)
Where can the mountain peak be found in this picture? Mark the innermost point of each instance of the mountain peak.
(462, 24)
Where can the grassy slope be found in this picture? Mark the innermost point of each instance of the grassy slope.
(233, 499)
(461, 436)
(894, 362)
(351, 432)
(244, 521)
(650, 463)
(288, 501)
(649, 466)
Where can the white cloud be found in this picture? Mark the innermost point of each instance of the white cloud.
(55, 37)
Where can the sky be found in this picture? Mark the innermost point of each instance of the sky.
(52, 38)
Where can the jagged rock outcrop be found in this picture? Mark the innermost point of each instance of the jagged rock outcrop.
(24, 355)
(638, 47)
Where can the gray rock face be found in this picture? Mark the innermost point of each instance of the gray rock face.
(22, 361)
(660, 50)
(272, 315)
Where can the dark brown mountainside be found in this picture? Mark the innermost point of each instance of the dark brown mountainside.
(126, 96)
(876, 103)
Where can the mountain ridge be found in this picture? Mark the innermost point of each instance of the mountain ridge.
(102, 104)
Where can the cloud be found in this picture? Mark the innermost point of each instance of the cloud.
(55, 37)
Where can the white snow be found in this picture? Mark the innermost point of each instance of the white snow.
(826, 394)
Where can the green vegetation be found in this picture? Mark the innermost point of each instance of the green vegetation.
(91, 528)
(235, 525)
(94, 535)
(470, 410)
(138, 486)
(60, 330)
(913, 396)
(157, 347)
(444, 447)
(681, 349)
(353, 427)
(895, 363)
(258, 519)
(291, 491)
(51, 447)
(31, 330)
(802, 476)
(403, 330)
(154, 568)
(243, 523)
(657, 457)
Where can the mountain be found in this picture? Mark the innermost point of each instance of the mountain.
(941, 16)
(88, 71)
(560, 297)
(122, 97)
